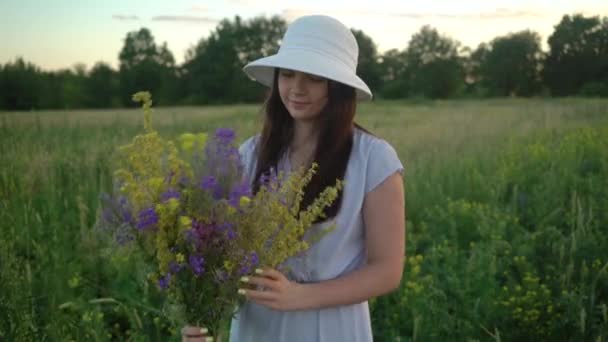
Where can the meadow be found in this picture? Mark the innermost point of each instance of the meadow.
(506, 205)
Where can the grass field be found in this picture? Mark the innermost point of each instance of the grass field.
(507, 214)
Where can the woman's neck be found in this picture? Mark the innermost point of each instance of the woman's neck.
(304, 136)
(304, 142)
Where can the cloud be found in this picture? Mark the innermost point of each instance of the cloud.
(254, 2)
(198, 8)
(186, 18)
(124, 17)
(499, 13)
(291, 14)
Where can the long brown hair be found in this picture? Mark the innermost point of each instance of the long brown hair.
(333, 147)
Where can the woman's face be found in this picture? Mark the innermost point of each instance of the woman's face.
(304, 95)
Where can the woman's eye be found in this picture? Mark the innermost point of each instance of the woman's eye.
(286, 74)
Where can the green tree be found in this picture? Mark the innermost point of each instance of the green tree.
(510, 65)
(472, 65)
(578, 54)
(368, 67)
(73, 87)
(64, 89)
(213, 67)
(101, 86)
(21, 84)
(394, 79)
(146, 66)
(433, 65)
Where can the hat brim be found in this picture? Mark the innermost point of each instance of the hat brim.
(311, 62)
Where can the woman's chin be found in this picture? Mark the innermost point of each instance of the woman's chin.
(303, 116)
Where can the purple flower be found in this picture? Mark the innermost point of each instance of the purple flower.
(245, 269)
(163, 282)
(116, 210)
(199, 233)
(224, 226)
(231, 234)
(221, 276)
(208, 183)
(171, 193)
(270, 179)
(248, 263)
(238, 191)
(222, 157)
(191, 235)
(107, 215)
(224, 135)
(123, 236)
(264, 179)
(197, 264)
(254, 258)
(174, 267)
(184, 181)
(116, 218)
(147, 218)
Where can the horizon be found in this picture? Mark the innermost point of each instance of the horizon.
(66, 34)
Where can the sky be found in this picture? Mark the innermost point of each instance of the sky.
(59, 34)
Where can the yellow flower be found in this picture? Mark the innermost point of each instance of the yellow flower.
(228, 265)
(155, 183)
(173, 204)
(142, 96)
(146, 99)
(185, 221)
(244, 201)
(179, 257)
(186, 141)
(201, 139)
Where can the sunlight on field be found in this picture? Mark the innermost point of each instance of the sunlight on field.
(505, 208)
(444, 128)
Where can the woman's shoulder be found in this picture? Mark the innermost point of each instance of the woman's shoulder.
(249, 145)
(247, 152)
(377, 159)
(367, 143)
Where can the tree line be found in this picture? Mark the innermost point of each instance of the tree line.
(432, 65)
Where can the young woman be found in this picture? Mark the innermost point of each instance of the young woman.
(310, 117)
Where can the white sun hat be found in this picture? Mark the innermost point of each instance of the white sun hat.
(318, 45)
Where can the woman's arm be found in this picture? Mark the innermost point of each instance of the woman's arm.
(384, 219)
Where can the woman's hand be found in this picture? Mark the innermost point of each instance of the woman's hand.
(279, 293)
(194, 334)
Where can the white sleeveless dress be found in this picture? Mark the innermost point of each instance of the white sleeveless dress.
(372, 160)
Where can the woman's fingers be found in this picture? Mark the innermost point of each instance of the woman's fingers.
(260, 281)
(264, 296)
(270, 273)
(194, 334)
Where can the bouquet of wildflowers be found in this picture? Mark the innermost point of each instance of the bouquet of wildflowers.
(188, 210)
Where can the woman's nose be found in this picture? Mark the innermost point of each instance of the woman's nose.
(299, 83)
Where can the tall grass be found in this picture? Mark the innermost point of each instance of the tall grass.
(506, 207)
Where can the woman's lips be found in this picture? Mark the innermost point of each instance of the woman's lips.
(298, 103)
